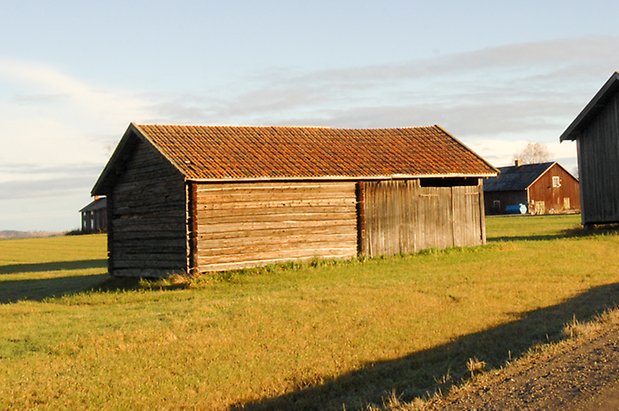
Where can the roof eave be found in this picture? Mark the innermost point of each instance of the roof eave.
(99, 187)
(337, 178)
(573, 130)
(542, 173)
(161, 151)
(133, 131)
(469, 149)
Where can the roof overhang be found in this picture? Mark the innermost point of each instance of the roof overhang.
(335, 178)
(121, 154)
(597, 103)
(135, 134)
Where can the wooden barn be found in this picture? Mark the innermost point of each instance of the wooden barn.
(544, 188)
(596, 131)
(94, 216)
(187, 199)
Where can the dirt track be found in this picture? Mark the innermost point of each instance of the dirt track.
(582, 375)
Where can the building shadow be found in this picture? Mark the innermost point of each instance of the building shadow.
(574, 232)
(39, 289)
(543, 237)
(426, 372)
(52, 266)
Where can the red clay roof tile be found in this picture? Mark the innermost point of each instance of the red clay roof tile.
(236, 152)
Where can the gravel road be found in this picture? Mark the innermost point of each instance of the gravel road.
(583, 374)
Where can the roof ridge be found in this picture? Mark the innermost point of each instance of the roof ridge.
(529, 164)
(282, 126)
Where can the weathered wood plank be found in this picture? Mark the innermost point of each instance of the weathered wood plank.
(147, 217)
(278, 217)
(206, 267)
(300, 202)
(299, 245)
(282, 255)
(145, 272)
(274, 221)
(402, 217)
(258, 212)
(268, 242)
(273, 225)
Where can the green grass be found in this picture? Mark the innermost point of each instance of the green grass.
(313, 335)
(38, 268)
(514, 227)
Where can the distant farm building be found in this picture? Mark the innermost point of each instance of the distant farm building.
(545, 188)
(596, 131)
(94, 216)
(186, 199)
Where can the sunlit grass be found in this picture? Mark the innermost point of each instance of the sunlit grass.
(536, 227)
(241, 337)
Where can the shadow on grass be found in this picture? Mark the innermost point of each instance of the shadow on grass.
(41, 289)
(38, 289)
(574, 232)
(426, 372)
(53, 266)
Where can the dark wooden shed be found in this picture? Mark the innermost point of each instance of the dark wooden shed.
(94, 216)
(210, 198)
(596, 131)
(544, 188)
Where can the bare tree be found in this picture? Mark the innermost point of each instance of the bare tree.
(534, 153)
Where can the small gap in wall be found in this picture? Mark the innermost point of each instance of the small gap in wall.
(448, 182)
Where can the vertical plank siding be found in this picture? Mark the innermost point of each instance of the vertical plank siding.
(598, 166)
(146, 212)
(402, 217)
(249, 224)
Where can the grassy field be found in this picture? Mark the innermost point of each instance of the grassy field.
(316, 335)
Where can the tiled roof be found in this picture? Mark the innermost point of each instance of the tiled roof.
(231, 152)
(516, 178)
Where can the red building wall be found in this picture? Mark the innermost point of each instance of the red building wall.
(546, 197)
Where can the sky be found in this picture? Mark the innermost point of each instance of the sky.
(74, 74)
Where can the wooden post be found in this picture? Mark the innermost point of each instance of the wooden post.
(192, 228)
(482, 214)
(110, 233)
(361, 237)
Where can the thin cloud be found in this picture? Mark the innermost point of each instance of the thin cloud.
(57, 131)
(54, 118)
(549, 72)
(25, 180)
(49, 81)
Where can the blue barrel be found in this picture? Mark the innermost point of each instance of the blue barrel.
(516, 209)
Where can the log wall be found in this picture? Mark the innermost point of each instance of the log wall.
(402, 217)
(146, 212)
(251, 224)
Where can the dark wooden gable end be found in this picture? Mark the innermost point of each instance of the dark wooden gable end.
(94, 216)
(207, 198)
(596, 131)
(146, 210)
